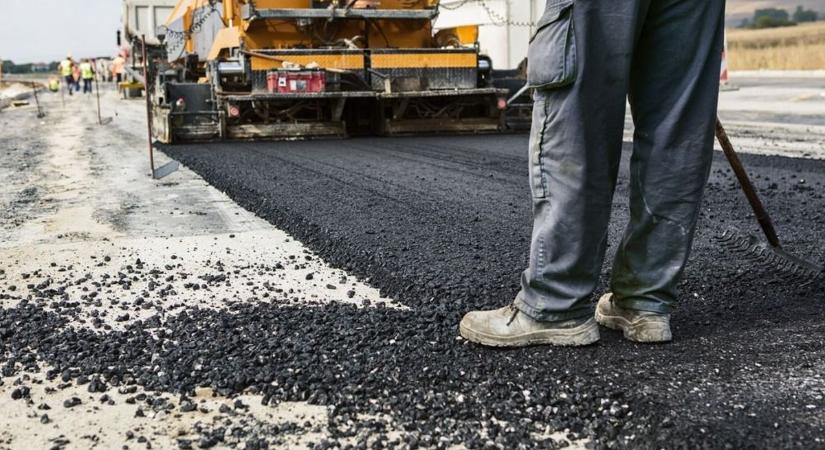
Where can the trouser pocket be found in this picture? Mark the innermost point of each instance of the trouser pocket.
(551, 56)
(538, 170)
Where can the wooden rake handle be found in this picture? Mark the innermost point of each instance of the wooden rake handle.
(750, 192)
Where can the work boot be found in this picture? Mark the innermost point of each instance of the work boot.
(638, 326)
(509, 327)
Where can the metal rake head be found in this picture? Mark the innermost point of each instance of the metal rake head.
(790, 267)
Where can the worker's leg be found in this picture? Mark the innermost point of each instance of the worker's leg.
(575, 148)
(673, 96)
(68, 82)
(579, 60)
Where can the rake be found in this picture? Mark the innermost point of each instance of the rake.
(100, 120)
(40, 113)
(768, 253)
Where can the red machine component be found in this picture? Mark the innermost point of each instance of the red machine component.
(286, 81)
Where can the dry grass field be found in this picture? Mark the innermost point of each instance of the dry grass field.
(800, 47)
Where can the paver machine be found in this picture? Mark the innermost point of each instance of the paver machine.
(282, 69)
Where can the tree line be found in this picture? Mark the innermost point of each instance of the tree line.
(9, 66)
(777, 17)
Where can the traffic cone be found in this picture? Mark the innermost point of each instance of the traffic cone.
(724, 76)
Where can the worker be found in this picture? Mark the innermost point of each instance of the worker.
(54, 84)
(66, 72)
(102, 70)
(586, 60)
(76, 77)
(117, 68)
(87, 72)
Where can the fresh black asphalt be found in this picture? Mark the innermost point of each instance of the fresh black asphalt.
(441, 224)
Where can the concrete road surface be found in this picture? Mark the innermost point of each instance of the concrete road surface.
(96, 247)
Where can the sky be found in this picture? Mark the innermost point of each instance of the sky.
(45, 30)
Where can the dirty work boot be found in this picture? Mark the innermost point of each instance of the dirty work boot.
(638, 326)
(509, 327)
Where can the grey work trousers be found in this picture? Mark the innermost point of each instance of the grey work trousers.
(586, 58)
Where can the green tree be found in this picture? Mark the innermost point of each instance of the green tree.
(10, 67)
(775, 13)
(771, 18)
(804, 15)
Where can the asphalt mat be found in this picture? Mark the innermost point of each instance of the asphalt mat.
(442, 225)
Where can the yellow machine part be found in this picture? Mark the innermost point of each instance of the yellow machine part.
(413, 60)
(423, 60)
(225, 39)
(457, 36)
(331, 61)
(285, 34)
(382, 33)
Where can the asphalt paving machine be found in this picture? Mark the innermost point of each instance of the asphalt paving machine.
(283, 69)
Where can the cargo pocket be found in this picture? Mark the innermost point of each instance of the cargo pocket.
(551, 57)
(538, 171)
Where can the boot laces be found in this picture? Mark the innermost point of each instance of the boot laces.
(515, 313)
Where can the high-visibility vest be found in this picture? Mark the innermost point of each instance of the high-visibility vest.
(117, 65)
(54, 85)
(86, 71)
(65, 67)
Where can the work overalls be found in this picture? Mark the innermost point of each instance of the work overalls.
(586, 58)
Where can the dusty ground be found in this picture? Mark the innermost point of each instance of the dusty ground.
(87, 235)
(114, 286)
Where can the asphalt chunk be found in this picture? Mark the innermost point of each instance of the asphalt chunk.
(187, 406)
(20, 393)
(72, 402)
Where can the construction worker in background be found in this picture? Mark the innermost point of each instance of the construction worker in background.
(586, 59)
(54, 84)
(87, 72)
(102, 70)
(66, 72)
(117, 68)
(76, 77)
